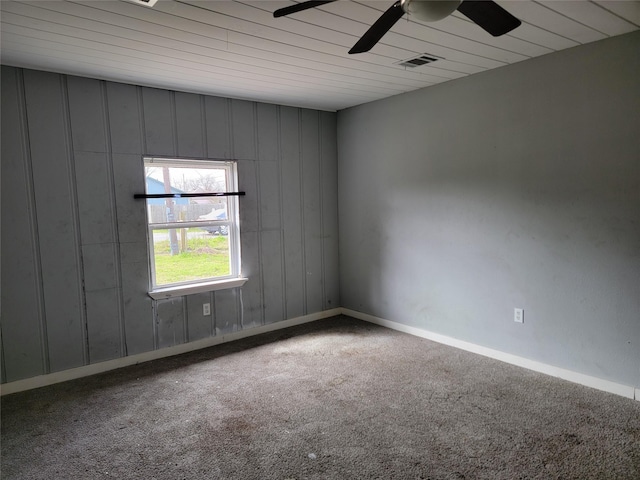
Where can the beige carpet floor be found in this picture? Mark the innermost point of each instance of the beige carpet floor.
(334, 399)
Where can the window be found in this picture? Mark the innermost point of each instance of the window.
(194, 241)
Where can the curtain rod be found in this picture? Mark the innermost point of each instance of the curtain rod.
(188, 195)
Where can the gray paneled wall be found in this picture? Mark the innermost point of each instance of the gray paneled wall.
(75, 271)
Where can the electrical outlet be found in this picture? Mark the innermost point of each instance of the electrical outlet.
(518, 315)
(206, 309)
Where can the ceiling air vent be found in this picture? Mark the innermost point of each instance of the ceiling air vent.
(146, 3)
(418, 61)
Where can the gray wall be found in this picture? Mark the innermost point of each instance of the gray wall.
(517, 187)
(74, 251)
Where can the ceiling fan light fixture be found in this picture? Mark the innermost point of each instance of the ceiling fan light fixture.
(487, 14)
(430, 10)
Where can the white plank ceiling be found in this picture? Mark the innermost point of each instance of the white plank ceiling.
(237, 49)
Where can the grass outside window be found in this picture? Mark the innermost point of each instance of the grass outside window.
(204, 256)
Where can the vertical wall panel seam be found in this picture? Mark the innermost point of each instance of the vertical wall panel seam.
(114, 218)
(302, 225)
(33, 220)
(336, 210)
(143, 140)
(212, 320)
(323, 276)
(229, 115)
(3, 363)
(203, 122)
(185, 324)
(256, 163)
(76, 218)
(282, 223)
(174, 122)
(280, 207)
(154, 314)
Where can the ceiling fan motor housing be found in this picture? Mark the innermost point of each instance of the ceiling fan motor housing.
(430, 10)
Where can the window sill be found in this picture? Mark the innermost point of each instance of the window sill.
(181, 290)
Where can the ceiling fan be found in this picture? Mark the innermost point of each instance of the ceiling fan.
(485, 13)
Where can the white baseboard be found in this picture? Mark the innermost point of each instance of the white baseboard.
(87, 370)
(587, 380)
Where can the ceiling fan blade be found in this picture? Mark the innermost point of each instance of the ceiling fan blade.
(489, 16)
(299, 7)
(378, 29)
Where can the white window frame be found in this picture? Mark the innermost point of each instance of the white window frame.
(235, 278)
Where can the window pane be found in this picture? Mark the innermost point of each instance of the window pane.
(193, 239)
(197, 209)
(185, 179)
(189, 254)
(161, 179)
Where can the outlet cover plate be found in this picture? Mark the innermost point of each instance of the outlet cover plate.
(518, 315)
